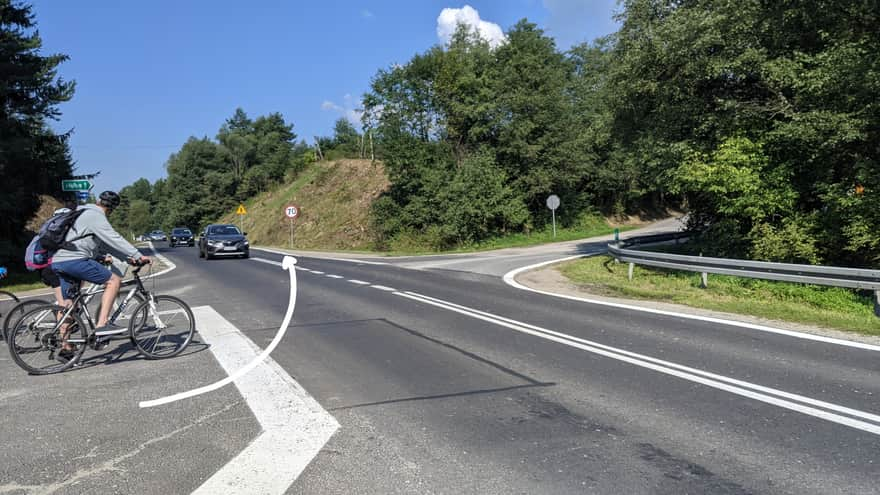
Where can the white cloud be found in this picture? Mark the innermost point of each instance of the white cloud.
(449, 19)
(347, 109)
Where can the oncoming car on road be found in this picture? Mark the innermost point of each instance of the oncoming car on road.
(157, 235)
(223, 240)
(181, 236)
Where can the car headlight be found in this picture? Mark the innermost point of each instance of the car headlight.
(245, 243)
(215, 243)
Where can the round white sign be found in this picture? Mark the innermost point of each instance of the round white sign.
(291, 211)
(553, 201)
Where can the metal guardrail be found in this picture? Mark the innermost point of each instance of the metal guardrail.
(854, 278)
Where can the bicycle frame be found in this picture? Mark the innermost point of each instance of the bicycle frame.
(83, 298)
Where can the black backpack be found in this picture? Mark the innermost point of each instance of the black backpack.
(53, 234)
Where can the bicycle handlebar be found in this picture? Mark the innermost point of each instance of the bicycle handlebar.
(138, 265)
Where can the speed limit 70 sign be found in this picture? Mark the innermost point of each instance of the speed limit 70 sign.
(291, 211)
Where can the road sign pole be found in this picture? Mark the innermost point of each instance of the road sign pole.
(291, 233)
(554, 223)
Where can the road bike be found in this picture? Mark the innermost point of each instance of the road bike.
(159, 327)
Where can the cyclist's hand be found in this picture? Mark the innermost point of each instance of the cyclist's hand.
(144, 260)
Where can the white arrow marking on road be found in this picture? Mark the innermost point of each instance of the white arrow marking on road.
(288, 264)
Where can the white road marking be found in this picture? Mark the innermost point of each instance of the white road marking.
(288, 264)
(382, 287)
(753, 391)
(358, 282)
(295, 427)
(335, 276)
(316, 272)
(509, 278)
(301, 255)
(269, 262)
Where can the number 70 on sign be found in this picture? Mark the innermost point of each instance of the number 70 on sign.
(291, 211)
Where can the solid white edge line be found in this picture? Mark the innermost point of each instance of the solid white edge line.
(818, 413)
(347, 260)
(294, 426)
(687, 369)
(509, 279)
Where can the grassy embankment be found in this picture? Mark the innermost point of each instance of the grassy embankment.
(829, 307)
(334, 200)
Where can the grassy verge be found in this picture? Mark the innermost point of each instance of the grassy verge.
(829, 307)
(21, 281)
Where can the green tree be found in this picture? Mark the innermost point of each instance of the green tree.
(140, 216)
(33, 159)
(346, 139)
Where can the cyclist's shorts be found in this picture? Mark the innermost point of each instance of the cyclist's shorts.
(88, 270)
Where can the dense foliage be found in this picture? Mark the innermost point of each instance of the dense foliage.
(207, 178)
(33, 158)
(760, 118)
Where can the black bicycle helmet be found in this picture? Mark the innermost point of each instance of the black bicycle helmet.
(109, 199)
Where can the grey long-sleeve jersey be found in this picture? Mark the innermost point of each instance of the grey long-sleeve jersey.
(100, 238)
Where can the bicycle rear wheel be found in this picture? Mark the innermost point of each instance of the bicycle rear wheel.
(16, 313)
(35, 340)
(162, 327)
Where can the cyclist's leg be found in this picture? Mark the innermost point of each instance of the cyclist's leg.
(67, 286)
(111, 290)
(94, 272)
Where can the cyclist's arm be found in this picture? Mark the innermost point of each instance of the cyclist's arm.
(113, 242)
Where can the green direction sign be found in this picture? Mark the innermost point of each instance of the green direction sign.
(76, 185)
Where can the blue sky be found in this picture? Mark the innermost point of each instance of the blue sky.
(151, 74)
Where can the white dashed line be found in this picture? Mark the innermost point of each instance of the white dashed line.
(382, 287)
(316, 272)
(335, 276)
(359, 282)
(268, 262)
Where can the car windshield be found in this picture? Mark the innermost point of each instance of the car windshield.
(181, 232)
(224, 230)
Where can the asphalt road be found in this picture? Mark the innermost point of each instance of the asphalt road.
(446, 380)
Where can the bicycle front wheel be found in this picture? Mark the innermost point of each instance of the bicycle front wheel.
(36, 340)
(161, 327)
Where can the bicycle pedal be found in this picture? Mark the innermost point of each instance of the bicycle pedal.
(100, 344)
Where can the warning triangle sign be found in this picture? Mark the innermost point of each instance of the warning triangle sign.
(241, 210)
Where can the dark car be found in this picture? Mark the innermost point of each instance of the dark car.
(181, 236)
(223, 240)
